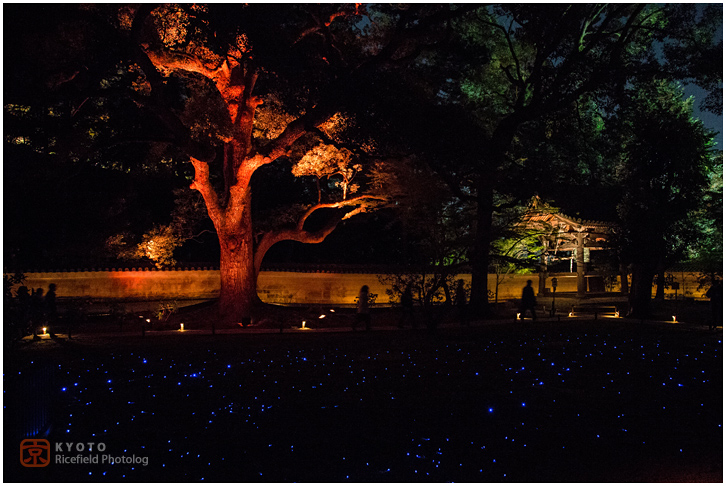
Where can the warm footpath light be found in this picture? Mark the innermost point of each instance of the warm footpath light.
(572, 314)
(44, 330)
(617, 313)
(519, 314)
(674, 318)
(322, 316)
(181, 328)
(303, 325)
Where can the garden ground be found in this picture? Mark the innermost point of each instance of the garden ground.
(576, 400)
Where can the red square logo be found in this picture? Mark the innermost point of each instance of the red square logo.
(35, 453)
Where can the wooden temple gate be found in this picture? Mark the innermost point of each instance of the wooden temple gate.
(560, 233)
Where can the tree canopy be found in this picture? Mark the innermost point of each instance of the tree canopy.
(289, 121)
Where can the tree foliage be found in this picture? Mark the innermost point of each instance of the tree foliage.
(231, 89)
(524, 67)
(482, 103)
(663, 171)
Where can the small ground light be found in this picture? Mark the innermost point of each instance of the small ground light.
(332, 310)
(617, 313)
(322, 316)
(148, 320)
(572, 314)
(44, 329)
(181, 328)
(303, 325)
(674, 318)
(519, 314)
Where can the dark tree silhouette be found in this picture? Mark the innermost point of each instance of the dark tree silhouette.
(663, 171)
(546, 58)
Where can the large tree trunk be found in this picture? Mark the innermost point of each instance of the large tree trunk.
(237, 278)
(660, 281)
(623, 279)
(238, 289)
(232, 218)
(500, 142)
(480, 261)
(641, 290)
(660, 286)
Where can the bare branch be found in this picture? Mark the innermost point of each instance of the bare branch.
(194, 238)
(299, 234)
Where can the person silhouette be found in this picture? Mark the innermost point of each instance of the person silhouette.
(407, 308)
(715, 293)
(363, 313)
(528, 301)
(460, 302)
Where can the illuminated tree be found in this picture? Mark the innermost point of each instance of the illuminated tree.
(325, 161)
(159, 244)
(707, 247)
(234, 89)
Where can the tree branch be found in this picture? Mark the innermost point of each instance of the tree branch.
(299, 234)
(577, 57)
(318, 25)
(322, 111)
(293, 131)
(194, 238)
(336, 205)
(179, 61)
(158, 102)
(204, 186)
(510, 45)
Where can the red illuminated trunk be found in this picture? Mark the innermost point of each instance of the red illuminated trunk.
(237, 292)
(232, 218)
